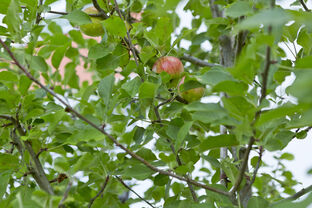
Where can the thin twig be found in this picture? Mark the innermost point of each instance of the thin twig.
(61, 205)
(132, 48)
(41, 151)
(100, 192)
(113, 139)
(66, 13)
(38, 173)
(265, 74)
(197, 61)
(38, 17)
(243, 167)
(100, 10)
(304, 6)
(194, 196)
(295, 196)
(256, 168)
(130, 189)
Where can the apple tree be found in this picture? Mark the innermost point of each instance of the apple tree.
(88, 138)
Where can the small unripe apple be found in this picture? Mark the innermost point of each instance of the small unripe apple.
(191, 94)
(169, 64)
(95, 28)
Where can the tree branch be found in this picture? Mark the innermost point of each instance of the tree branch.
(296, 195)
(38, 17)
(243, 166)
(265, 74)
(61, 205)
(132, 48)
(110, 137)
(38, 172)
(214, 9)
(66, 13)
(304, 6)
(130, 189)
(100, 10)
(194, 196)
(197, 61)
(256, 168)
(100, 192)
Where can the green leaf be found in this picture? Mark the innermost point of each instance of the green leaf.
(8, 76)
(239, 8)
(100, 50)
(161, 180)
(105, 88)
(257, 202)
(12, 18)
(287, 156)
(8, 162)
(24, 84)
(214, 76)
(61, 164)
(147, 90)
(4, 180)
(230, 169)
(232, 88)
(115, 26)
(239, 106)
(224, 140)
(280, 112)
(147, 154)
(132, 87)
(147, 53)
(78, 17)
(275, 17)
(139, 171)
(38, 63)
(70, 78)
(182, 134)
(198, 106)
(279, 141)
(58, 56)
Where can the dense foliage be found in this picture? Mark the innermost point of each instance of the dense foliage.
(71, 143)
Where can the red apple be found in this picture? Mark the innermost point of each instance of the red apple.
(191, 94)
(169, 64)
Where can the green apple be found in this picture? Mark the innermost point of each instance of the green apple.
(191, 94)
(95, 28)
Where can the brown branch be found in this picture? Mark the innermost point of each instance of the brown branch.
(252, 139)
(194, 196)
(110, 137)
(256, 168)
(6, 117)
(295, 196)
(130, 189)
(214, 9)
(66, 13)
(38, 17)
(265, 74)
(100, 10)
(41, 151)
(100, 192)
(38, 173)
(197, 61)
(61, 205)
(132, 48)
(304, 6)
(243, 166)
